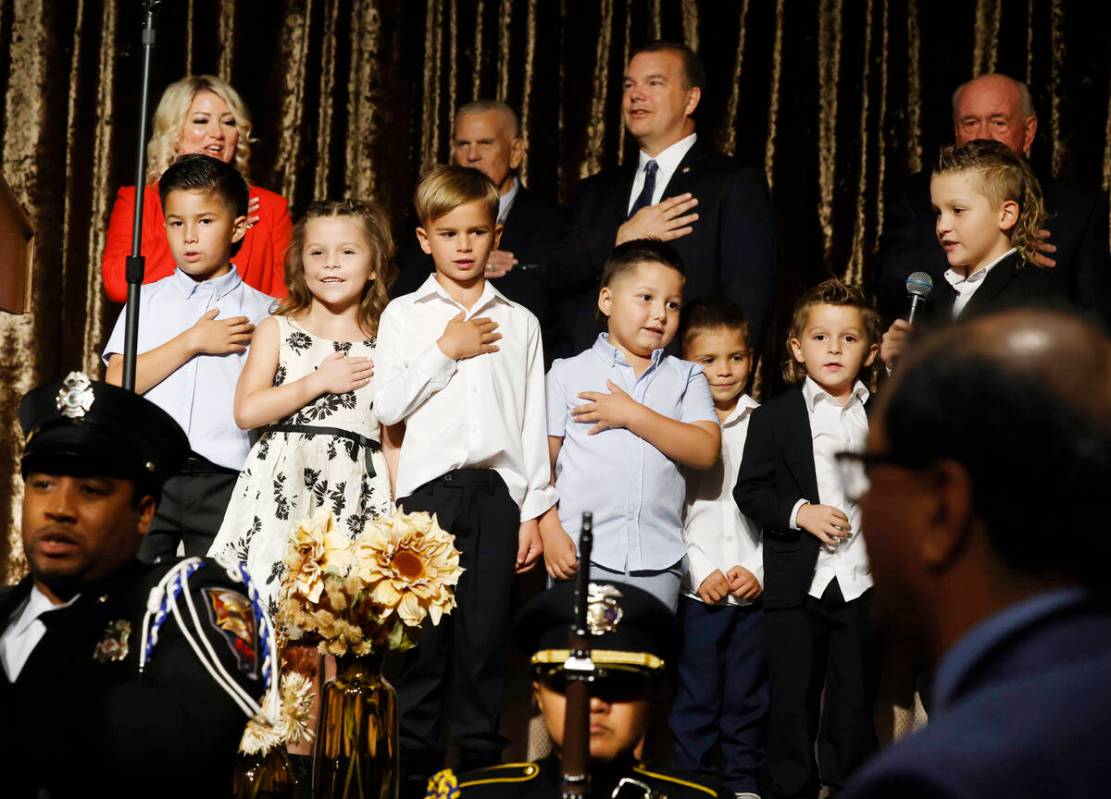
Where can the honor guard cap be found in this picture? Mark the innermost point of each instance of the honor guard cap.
(630, 630)
(83, 427)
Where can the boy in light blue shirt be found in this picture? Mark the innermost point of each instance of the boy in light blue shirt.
(623, 416)
(194, 329)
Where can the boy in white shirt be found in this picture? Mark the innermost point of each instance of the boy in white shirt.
(463, 367)
(721, 697)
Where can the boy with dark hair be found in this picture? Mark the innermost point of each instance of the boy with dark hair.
(622, 417)
(721, 699)
(194, 329)
(463, 367)
(817, 599)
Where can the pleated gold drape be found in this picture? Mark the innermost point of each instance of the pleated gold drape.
(832, 97)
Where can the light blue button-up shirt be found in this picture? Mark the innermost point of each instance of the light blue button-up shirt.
(200, 395)
(635, 492)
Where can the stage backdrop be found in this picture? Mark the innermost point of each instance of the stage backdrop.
(355, 97)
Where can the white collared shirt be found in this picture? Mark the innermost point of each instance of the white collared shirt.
(505, 201)
(966, 286)
(667, 161)
(717, 534)
(25, 631)
(485, 412)
(199, 394)
(837, 428)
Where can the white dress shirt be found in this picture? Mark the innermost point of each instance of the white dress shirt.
(200, 394)
(485, 412)
(837, 428)
(717, 534)
(505, 201)
(667, 161)
(966, 286)
(25, 631)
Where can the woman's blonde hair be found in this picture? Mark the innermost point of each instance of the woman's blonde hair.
(173, 109)
(1001, 175)
(832, 292)
(376, 225)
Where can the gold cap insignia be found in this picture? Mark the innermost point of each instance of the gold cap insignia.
(603, 612)
(112, 647)
(76, 395)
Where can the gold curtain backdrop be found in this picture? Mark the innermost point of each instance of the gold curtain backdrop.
(355, 97)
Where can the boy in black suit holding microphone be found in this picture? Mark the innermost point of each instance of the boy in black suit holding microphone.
(817, 582)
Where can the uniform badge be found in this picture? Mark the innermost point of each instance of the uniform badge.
(230, 614)
(76, 395)
(603, 611)
(112, 646)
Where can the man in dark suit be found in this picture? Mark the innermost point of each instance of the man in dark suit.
(996, 107)
(487, 138)
(714, 211)
(87, 708)
(982, 493)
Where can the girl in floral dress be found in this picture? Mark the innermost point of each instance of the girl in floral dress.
(308, 384)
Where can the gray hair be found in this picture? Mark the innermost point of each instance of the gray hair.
(1026, 102)
(482, 106)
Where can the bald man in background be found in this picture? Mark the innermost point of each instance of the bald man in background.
(994, 106)
(982, 494)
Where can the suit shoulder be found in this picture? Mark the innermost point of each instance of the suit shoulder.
(783, 403)
(503, 780)
(680, 785)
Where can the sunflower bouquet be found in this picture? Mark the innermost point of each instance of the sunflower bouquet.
(354, 596)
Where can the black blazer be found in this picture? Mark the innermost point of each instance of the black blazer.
(731, 252)
(530, 232)
(1077, 224)
(1011, 283)
(777, 470)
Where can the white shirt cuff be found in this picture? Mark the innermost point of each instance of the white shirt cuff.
(438, 367)
(795, 513)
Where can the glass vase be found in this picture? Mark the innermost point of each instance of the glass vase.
(356, 753)
(263, 776)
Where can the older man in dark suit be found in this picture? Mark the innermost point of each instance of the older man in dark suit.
(982, 493)
(996, 107)
(714, 211)
(487, 137)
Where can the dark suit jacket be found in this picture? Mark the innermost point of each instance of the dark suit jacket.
(731, 252)
(531, 232)
(1077, 223)
(72, 723)
(1011, 283)
(777, 470)
(1030, 719)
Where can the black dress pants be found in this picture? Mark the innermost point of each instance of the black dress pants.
(191, 511)
(454, 674)
(826, 645)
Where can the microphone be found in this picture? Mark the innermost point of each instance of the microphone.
(919, 286)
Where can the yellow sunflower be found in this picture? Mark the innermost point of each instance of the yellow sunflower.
(410, 566)
(316, 548)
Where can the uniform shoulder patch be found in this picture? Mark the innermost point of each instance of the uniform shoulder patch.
(442, 785)
(230, 614)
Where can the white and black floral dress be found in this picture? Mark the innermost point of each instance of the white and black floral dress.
(327, 454)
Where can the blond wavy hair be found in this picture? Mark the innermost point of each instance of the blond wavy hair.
(375, 223)
(445, 188)
(1001, 175)
(173, 109)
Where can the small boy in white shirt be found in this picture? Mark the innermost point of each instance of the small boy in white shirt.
(722, 693)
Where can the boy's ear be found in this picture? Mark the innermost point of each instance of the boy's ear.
(497, 235)
(873, 351)
(238, 229)
(1008, 215)
(422, 239)
(796, 349)
(605, 300)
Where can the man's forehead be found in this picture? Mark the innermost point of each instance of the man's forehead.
(482, 124)
(664, 63)
(988, 98)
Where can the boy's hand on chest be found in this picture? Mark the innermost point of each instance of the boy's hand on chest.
(606, 410)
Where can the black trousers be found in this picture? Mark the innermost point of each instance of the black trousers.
(455, 673)
(192, 509)
(826, 645)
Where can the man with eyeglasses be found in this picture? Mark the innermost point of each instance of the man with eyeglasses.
(635, 640)
(982, 492)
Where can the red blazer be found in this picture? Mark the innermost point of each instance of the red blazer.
(260, 260)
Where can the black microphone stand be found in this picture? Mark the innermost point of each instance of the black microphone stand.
(136, 264)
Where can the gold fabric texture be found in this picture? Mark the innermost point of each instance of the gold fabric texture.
(836, 100)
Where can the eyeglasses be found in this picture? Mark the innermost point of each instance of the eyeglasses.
(853, 468)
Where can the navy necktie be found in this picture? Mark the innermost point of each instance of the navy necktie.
(645, 196)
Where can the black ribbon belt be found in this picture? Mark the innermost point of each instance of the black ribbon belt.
(369, 445)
